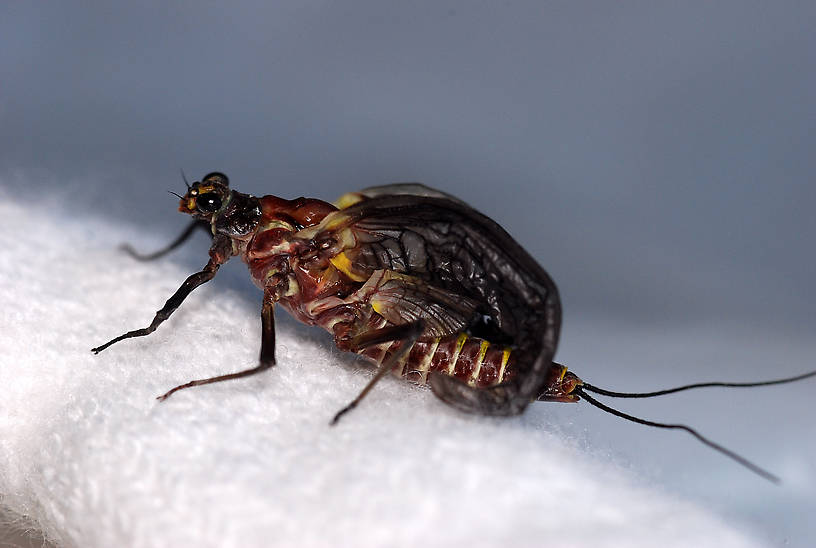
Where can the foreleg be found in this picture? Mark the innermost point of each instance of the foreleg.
(193, 281)
(195, 224)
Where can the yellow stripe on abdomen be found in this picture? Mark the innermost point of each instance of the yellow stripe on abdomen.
(460, 342)
(477, 367)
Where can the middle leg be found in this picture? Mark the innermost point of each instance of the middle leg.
(267, 357)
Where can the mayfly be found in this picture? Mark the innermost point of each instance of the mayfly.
(409, 277)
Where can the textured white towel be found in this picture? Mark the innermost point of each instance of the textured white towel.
(89, 454)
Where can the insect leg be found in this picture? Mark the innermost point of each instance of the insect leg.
(171, 305)
(201, 224)
(407, 333)
(266, 360)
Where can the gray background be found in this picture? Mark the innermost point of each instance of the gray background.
(658, 161)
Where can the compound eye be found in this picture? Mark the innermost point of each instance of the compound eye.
(209, 202)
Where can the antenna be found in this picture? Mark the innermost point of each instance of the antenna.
(184, 178)
(612, 394)
(717, 447)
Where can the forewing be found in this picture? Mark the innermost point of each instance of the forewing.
(449, 246)
(452, 248)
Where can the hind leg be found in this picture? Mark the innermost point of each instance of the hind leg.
(407, 333)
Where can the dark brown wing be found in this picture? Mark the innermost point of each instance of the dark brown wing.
(454, 248)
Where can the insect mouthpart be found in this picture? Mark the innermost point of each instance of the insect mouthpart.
(187, 203)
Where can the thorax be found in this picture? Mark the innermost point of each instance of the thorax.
(297, 272)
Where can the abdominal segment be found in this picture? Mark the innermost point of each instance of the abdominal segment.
(472, 360)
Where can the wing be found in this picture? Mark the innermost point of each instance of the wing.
(449, 246)
(403, 299)
(465, 255)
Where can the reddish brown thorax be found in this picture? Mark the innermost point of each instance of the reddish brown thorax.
(274, 257)
(300, 212)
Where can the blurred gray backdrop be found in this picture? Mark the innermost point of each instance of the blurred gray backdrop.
(657, 158)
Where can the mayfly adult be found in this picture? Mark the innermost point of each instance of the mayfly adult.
(409, 277)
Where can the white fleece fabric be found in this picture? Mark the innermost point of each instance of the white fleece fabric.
(88, 453)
